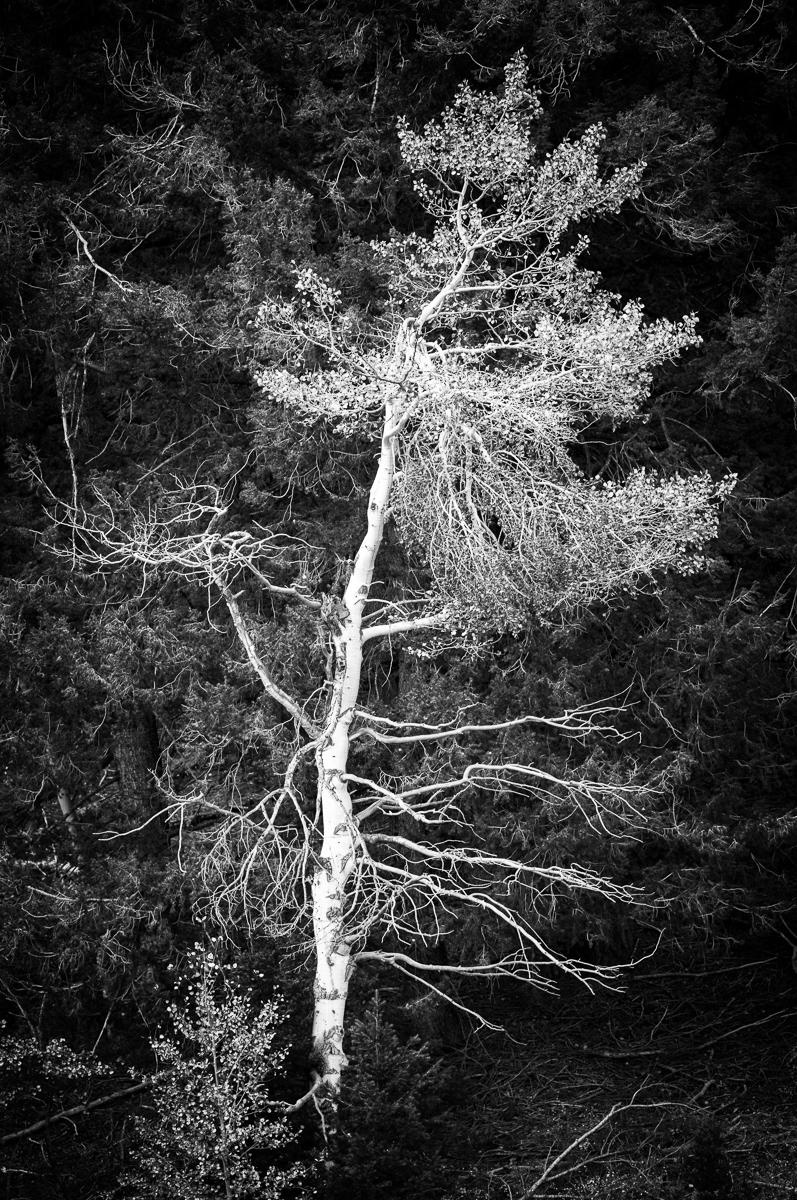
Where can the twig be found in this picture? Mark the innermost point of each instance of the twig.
(702, 974)
(784, 1012)
(35, 1032)
(104, 1025)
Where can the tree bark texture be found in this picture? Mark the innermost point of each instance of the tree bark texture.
(339, 849)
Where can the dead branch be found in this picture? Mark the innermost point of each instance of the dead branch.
(83, 244)
(679, 1050)
(269, 685)
(309, 1095)
(102, 1101)
(76, 1111)
(705, 974)
(577, 723)
(548, 1175)
(762, 59)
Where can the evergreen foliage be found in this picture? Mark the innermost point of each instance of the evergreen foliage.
(195, 196)
(388, 1104)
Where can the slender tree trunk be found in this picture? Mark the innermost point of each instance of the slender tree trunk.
(339, 848)
(136, 753)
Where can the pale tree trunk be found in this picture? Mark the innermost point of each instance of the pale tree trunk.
(66, 804)
(338, 851)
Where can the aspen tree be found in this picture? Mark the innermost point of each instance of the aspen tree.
(494, 349)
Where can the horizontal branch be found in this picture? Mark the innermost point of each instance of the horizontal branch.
(361, 712)
(506, 966)
(287, 1109)
(463, 856)
(569, 723)
(398, 961)
(411, 625)
(596, 800)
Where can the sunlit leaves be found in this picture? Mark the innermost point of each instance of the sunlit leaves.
(211, 1096)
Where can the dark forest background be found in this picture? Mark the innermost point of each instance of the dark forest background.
(162, 168)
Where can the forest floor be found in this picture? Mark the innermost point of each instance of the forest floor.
(700, 1067)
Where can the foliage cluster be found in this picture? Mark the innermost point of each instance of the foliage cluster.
(211, 1133)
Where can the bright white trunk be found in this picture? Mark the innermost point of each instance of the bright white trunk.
(339, 847)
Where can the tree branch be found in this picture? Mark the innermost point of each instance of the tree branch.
(269, 686)
(564, 724)
(392, 628)
(77, 1110)
(123, 287)
(675, 1050)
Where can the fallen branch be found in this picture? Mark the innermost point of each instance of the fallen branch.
(703, 974)
(784, 1012)
(613, 1111)
(547, 1174)
(133, 1090)
(78, 1109)
(675, 1050)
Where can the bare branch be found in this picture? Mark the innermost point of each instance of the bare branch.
(408, 966)
(75, 1111)
(652, 1052)
(269, 686)
(143, 84)
(548, 1173)
(83, 244)
(411, 625)
(577, 723)
(763, 58)
(308, 1095)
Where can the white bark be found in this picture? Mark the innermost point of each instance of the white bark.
(339, 847)
(67, 807)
